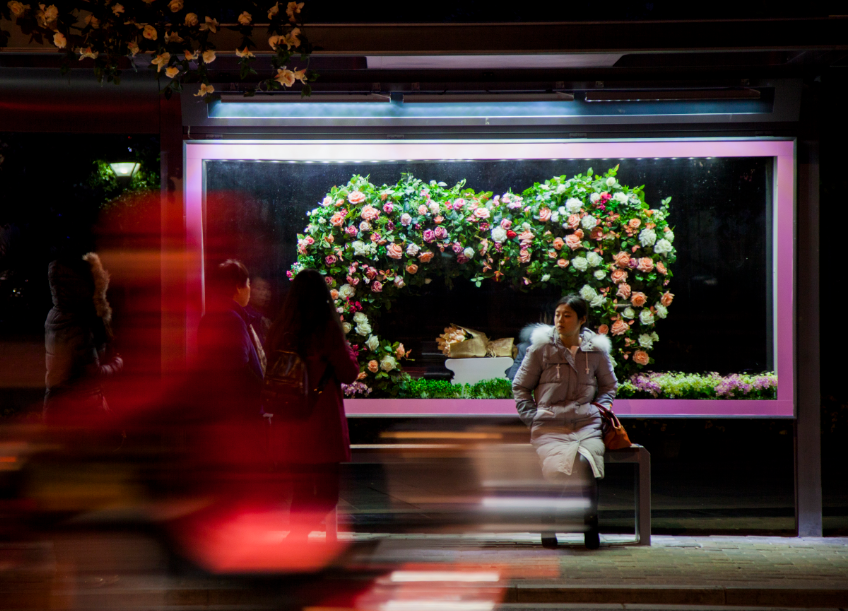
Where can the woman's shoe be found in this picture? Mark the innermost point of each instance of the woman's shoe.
(549, 540)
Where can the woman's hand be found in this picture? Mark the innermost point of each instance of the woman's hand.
(543, 413)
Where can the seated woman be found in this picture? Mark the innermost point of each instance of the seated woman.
(567, 368)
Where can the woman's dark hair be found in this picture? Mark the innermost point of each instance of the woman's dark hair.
(306, 312)
(576, 303)
(226, 278)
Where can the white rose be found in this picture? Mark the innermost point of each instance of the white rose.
(580, 263)
(555, 217)
(412, 250)
(434, 208)
(669, 235)
(499, 234)
(588, 293)
(546, 277)
(594, 259)
(469, 252)
(633, 200)
(646, 341)
(405, 219)
(662, 311)
(373, 343)
(594, 198)
(611, 181)
(388, 363)
(360, 318)
(628, 312)
(646, 317)
(527, 226)
(573, 205)
(589, 222)
(363, 328)
(620, 197)
(598, 301)
(359, 248)
(364, 226)
(347, 327)
(655, 337)
(347, 291)
(600, 274)
(647, 237)
(662, 247)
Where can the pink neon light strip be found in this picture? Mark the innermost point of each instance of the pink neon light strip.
(782, 150)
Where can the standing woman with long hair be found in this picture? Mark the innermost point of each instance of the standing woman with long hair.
(312, 448)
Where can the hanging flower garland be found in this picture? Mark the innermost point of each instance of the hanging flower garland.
(587, 234)
(175, 32)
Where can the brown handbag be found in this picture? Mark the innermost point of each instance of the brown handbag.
(615, 437)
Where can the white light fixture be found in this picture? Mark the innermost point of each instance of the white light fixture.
(315, 98)
(125, 169)
(453, 98)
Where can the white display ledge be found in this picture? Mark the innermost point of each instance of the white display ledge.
(473, 370)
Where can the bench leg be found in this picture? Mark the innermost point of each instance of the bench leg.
(643, 498)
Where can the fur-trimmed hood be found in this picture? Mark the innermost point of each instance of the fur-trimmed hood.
(590, 341)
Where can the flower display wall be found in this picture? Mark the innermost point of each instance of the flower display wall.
(587, 234)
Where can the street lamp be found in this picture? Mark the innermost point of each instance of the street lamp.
(124, 170)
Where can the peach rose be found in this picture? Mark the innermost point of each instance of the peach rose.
(422, 210)
(552, 254)
(666, 299)
(646, 264)
(661, 268)
(373, 366)
(395, 251)
(369, 213)
(638, 299)
(425, 257)
(622, 259)
(573, 221)
(618, 275)
(619, 327)
(603, 329)
(334, 294)
(412, 268)
(482, 213)
(640, 357)
(579, 233)
(623, 290)
(597, 233)
(337, 220)
(524, 256)
(573, 241)
(634, 223)
(357, 197)
(545, 215)
(400, 352)
(563, 263)
(559, 243)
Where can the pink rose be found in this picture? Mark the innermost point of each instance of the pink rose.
(425, 257)
(506, 223)
(563, 263)
(327, 201)
(524, 256)
(356, 197)
(545, 215)
(634, 223)
(399, 282)
(526, 238)
(666, 299)
(376, 287)
(388, 207)
(597, 233)
(422, 210)
(646, 264)
(395, 251)
(623, 290)
(412, 268)
(400, 352)
(603, 330)
(622, 259)
(370, 273)
(309, 240)
(640, 357)
(559, 243)
(638, 299)
(329, 239)
(441, 233)
(373, 366)
(405, 219)
(633, 264)
(573, 242)
(351, 231)
(352, 281)
(330, 259)
(429, 236)
(458, 204)
(482, 213)
(383, 196)
(337, 219)
(573, 221)
(461, 259)
(618, 275)
(620, 327)
(339, 202)
(369, 213)
(439, 220)
(457, 247)
(661, 268)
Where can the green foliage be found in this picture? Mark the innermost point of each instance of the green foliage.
(498, 388)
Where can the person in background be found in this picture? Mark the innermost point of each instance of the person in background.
(230, 352)
(77, 338)
(567, 368)
(312, 448)
(259, 307)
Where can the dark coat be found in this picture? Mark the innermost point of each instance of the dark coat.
(323, 437)
(228, 363)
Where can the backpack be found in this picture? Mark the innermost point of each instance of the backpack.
(286, 391)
